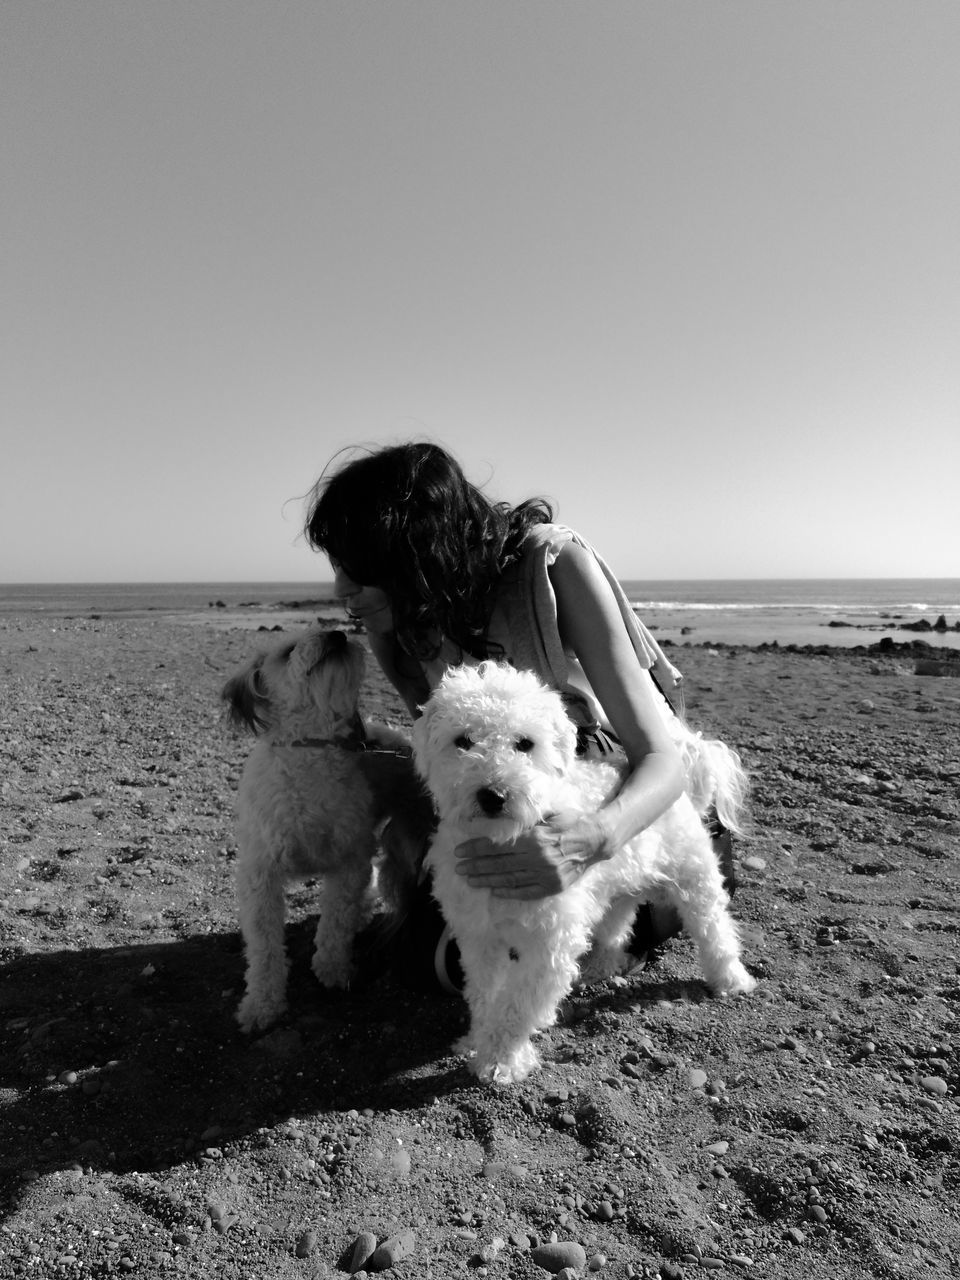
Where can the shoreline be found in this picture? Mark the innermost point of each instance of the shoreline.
(841, 614)
(916, 639)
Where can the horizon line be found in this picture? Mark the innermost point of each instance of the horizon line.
(300, 582)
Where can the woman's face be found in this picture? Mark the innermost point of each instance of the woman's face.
(369, 605)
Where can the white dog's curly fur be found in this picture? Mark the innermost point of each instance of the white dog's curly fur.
(498, 754)
(312, 795)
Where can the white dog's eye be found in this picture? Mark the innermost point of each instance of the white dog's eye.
(524, 744)
(463, 742)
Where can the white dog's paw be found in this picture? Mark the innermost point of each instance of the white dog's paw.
(256, 1013)
(465, 1046)
(508, 1068)
(604, 962)
(332, 971)
(736, 982)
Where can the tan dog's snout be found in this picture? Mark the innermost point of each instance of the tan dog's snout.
(334, 642)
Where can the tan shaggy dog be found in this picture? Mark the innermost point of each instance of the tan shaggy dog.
(312, 798)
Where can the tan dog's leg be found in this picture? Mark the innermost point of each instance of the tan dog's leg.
(344, 908)
(261, 907)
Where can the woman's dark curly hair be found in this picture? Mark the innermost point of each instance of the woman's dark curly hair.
(405, 519)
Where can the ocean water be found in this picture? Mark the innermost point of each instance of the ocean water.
(835, 611)
(118, 598)
(840, 612)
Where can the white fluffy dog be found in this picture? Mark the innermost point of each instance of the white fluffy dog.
(498, 753)
(312, 794)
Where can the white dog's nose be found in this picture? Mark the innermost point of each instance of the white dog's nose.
(491, 801)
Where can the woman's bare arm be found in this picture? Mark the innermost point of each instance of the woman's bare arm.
(556, 854)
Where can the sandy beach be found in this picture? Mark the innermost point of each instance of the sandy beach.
(809, 1132)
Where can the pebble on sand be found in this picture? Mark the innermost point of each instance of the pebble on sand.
(392, 1250)
(361, 1251)
(755, 863)
(934, 1084)
(72, 793)
(561, 1253)
(306, 1244)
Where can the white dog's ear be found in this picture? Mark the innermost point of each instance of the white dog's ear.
(245, 698)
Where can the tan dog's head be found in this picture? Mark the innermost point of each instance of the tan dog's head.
(306, 686)
(492, 745)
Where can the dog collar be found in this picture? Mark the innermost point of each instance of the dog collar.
(355, 739)
(350, 742)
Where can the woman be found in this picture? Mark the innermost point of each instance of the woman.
(439, 574)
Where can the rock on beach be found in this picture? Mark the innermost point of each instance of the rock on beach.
(563, 1253)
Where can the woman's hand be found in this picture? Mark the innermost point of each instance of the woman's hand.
(542, 862)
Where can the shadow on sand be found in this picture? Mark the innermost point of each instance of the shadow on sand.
(129, 1058)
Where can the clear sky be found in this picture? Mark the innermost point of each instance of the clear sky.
(692, 270)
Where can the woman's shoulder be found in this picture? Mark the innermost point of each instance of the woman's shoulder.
(548, 540)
